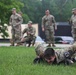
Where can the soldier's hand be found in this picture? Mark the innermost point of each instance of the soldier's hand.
(36, 60)
(10, 23)
(32, 33)
(55, 28)
(43, 29)
(28, 33)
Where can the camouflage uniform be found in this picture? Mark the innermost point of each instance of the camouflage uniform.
(48, 22)
(59, 53)
(15, 22)
(30, 37)
(73, 22)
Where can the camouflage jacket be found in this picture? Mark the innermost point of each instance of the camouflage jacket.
(48, 21)
(31, 30)
(15, 20)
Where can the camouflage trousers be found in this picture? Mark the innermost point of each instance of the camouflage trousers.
(49, 36)
(74, 33)
(16, 33)
(30, 38)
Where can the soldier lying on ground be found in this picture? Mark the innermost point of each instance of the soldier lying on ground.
(51, 56)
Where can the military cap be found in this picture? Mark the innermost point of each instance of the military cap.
(13, 9)
(30, 22)
(20, 12)
(74, 9)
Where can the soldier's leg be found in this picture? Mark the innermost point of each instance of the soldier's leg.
(74, 34)
(18, 33)
(18, 39)
(29, 43)
(52, 38)
(33, 40)
(28, 40)
(47, 34)
(22, 40)
(13, 37)
(25, 40)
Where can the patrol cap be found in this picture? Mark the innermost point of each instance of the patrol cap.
(13, 9)
(74, 9)
(30, 22)
(20, 12)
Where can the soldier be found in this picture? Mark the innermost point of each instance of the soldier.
(30, 38)
(73, 23)
(48, 24)
(15, 22)
(57, 56)
(20, 13)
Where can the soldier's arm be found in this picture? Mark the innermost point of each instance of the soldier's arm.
(24, 31)
(33, 32)
(20, 20)
(70, 21)
(43, 22)
(37, 60)
(10, 21)
(54, 22)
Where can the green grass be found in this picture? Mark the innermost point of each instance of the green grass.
(19, 61)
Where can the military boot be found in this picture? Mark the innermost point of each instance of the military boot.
(49, 45)
(19, 44)
(12, 42)
(53, 45)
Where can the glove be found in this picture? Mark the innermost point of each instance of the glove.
(36, 60)
(69, 54)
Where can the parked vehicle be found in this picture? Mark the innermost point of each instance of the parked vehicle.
(64, 40)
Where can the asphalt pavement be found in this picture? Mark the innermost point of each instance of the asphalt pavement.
(57, 45)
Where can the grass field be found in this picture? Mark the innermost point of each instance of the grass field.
(19, 61)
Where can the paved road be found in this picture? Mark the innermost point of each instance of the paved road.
(4, 44)
(63, 45)
(57, 45)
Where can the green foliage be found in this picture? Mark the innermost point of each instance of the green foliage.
(32, 10)
(19, 61)
(61, 9)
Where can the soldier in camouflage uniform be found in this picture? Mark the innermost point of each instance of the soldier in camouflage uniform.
(30, 38)
(15, 22)
(20, 13)
(48, 24)
(73, 23)
(52, 56)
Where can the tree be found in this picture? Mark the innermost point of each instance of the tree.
(35, 9)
